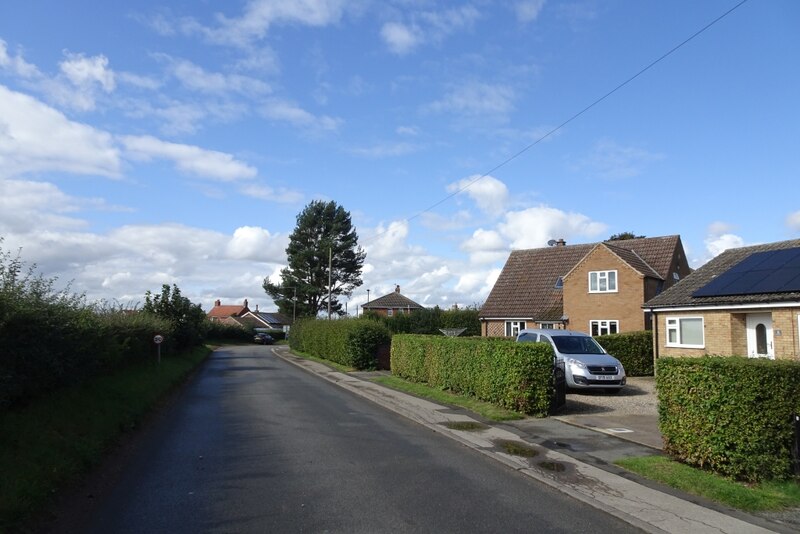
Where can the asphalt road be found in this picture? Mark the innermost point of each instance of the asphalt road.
(254, 444)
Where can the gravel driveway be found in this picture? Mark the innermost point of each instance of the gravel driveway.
(638, 397)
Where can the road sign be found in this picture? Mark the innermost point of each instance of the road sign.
(158, 339)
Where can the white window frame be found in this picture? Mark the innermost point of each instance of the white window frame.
(674, 324)
(603, 276)
(390, 312)
(547, 326)
(513, 328)
(601, 326)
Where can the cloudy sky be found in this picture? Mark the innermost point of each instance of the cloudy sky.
(176, 142)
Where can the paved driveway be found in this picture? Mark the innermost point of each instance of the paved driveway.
(631, 414)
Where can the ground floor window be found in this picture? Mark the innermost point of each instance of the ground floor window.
(685, 332)
(602, 327)
(549, 326)
(389, 312)
(513, 328)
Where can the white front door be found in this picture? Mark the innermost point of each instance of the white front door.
(759, 336)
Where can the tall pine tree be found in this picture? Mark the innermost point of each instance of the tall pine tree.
(323, 228)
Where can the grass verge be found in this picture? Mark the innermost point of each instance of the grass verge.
(329, 363)
(768, 496)
(484, 409)
(49, 443)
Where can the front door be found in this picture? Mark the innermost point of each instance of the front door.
(759, 336)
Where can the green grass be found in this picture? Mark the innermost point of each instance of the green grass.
(767, 496)
(329, 363)
(485, 409)
(59, 437)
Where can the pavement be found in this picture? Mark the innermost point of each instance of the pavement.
(573, 454)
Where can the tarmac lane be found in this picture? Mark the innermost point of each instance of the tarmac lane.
(255, 444)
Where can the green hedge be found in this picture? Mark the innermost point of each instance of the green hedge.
(633, 349)
(351, 342)
(517, 376)
(731, 415)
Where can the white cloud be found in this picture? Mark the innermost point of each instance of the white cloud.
(86, 72)
(22, 202)
(612, 161)
(400, 38)
(489, 193)
(189, 159)
(265, 192)
(793, 221)
(255, 243)
(36, 138)
(534, 227)
(386, 150)
(476, 98)
(426, 26)
(284, 111)
(16, 64)
(485, 246)
(528, 10)
(717, 244)
(195, 78)
(259, 15)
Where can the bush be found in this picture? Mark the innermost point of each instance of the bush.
(517, 376)
(217, 330)
(430, 320)
(350, 342)
(633, 349)
(730, 415)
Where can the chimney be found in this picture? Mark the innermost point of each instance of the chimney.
(217, 303)
(245, 303)
(561, 243)
(397, 289)
(256, 308)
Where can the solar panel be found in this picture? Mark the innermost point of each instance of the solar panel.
(772, 271)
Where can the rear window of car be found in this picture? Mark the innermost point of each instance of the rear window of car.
(577, 345)
(528, 337)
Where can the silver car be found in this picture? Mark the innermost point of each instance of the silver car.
(586, 364)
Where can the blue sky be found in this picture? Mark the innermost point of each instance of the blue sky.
(175, 142)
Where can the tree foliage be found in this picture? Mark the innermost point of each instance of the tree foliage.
(323, 228)
(622, 236)
(187, 318)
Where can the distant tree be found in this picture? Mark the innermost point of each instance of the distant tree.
(323, 228)
(623, 236)
(187, 318)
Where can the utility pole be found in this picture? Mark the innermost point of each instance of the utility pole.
(330, 274)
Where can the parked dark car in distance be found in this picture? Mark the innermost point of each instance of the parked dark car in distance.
(263, 339)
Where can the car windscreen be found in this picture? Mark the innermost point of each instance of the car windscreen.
(577, 345)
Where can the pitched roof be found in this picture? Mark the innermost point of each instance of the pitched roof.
(393, 300)
(526, 287)
(274, 318)
(222, 311)
(680, 295)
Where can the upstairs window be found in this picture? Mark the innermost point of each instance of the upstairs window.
(603, 282)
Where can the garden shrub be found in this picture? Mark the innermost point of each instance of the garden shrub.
(633, 349)
(220, 331)
(517, 376)
(730, 415)
(350, 342)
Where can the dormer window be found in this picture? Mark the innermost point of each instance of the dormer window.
(603, 282)
(560, 283)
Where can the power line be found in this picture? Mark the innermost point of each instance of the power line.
(569, 120)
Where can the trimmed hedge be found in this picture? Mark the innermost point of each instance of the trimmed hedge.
(730, 415)
(351, 342)
(517, 376)
(633, 349)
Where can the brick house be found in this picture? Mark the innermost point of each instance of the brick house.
(746, 301)
(227, 313)
(597, 288)
(391, 304)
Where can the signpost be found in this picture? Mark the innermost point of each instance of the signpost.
(158, 340)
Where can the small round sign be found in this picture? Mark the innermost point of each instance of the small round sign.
(158, 339)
